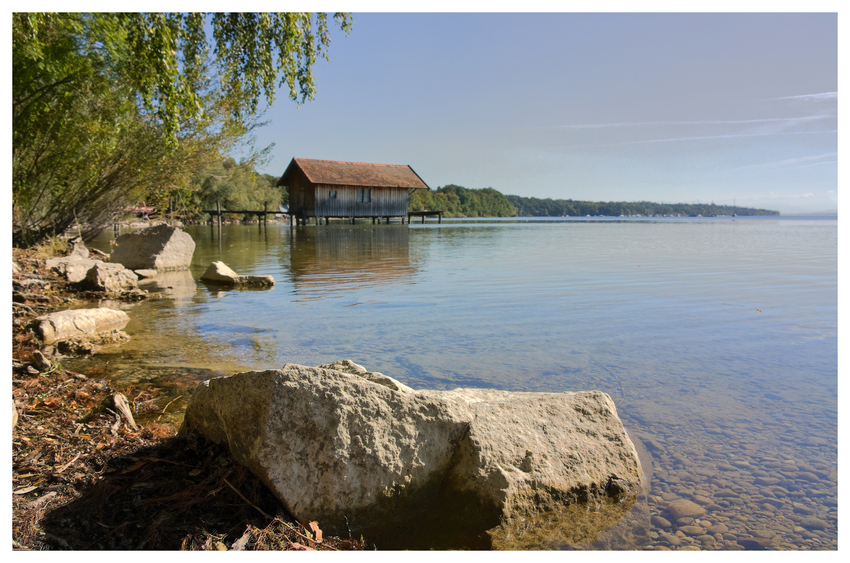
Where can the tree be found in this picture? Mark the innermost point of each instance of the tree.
(236, 187)
(109, 108)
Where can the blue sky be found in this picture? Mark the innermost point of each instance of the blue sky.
(594, 106)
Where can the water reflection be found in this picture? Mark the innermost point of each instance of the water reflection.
(339, 258)
(179, 286)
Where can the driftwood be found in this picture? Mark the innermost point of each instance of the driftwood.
(117, 402)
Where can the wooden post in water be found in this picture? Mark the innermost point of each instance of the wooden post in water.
(218, 209)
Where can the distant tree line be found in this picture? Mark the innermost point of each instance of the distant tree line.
(457, 201)
(535, 207)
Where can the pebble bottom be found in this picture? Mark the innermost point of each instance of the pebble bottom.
(757, 492)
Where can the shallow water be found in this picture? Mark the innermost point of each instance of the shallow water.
(717, 339)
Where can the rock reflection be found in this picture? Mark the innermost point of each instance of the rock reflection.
(177, 285)
(333, 258)
(583, 523)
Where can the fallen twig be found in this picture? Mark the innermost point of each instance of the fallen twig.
(235, 490)
(168, 405)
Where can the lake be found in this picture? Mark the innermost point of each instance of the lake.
(716, 338)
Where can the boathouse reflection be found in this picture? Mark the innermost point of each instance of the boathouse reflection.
(334, 258)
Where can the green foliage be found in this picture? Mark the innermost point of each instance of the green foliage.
(457, 201)
(109, 109)
(237, 187)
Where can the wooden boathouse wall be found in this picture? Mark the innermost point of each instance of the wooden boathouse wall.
(369, 197)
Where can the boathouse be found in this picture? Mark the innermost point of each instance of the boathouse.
(331, 188)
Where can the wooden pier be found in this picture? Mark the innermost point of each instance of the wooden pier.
(423, 214)
(295, 220)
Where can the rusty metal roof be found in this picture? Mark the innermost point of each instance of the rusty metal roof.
(336, 172)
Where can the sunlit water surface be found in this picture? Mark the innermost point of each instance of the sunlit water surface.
(717, 338)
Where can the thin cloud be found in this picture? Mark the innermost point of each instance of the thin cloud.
(704, 138)
(788, 120)
(799, 162)
(821, 96)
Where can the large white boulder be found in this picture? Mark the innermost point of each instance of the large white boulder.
(397, 464)
(159, 248)
(72, 323)
(332, 446)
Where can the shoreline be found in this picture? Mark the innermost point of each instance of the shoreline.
(84, 479)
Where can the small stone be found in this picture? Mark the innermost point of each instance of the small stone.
(813, 523)
(718, 528)
(732, 546)
(672, 540)
(802, 508)
(693, 530)
(754, 543)
(707, 540)
(659, 521)
(807, 476)
(682, 508)
(40, 362)
(686, 521)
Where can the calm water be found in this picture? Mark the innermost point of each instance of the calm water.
(717, 339)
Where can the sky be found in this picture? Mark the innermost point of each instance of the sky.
(690, 107)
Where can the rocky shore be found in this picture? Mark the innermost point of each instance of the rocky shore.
(84, 477)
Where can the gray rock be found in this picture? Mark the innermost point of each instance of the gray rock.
(532, 453)
(111, 278)
(219, 273)
(145, 273)
(73, 268)
(40, 362)
(159, 248)
(28, 284)
(361, 456)
(80, 250)
(63, 325)
(333, 447)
